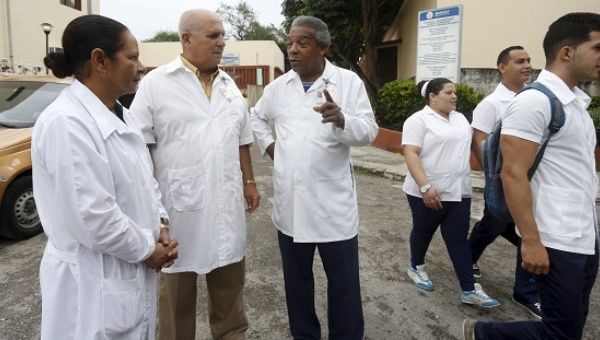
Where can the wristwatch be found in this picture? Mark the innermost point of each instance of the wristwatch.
(164, 223)
(424, 188)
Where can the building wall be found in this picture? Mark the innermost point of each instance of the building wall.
(487, 30)
(251, 52)
(488, 27)
(404, 29)
(28, 39)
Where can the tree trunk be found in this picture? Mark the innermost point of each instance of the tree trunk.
(369, 59)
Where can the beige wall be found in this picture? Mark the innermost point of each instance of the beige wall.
(252, 52)
(28, 39)
(488, 27)
(405, 29)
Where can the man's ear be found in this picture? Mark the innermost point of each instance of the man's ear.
(98, 61)
(185, 39)
(501, 68)
(565, 53)
(323, 52)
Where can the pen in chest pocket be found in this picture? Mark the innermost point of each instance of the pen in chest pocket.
(320, 96)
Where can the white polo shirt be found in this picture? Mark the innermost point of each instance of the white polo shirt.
(565, 183)
(491, 109)
(445, 151)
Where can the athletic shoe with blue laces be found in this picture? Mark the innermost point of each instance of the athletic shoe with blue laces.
(420, 277)
(479, 298)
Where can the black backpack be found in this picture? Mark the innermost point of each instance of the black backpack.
(492, 157)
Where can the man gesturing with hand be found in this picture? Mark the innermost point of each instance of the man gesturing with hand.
(319, 111)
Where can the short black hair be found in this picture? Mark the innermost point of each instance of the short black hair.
(81, 36)
(504, 56)
(569, 30)
(435, 86)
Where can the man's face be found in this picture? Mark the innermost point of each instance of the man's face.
(518, 67)
(306, 55)
(204, 47)
(585, 62)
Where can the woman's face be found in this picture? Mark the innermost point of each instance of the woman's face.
(445, 100)
(125, 68)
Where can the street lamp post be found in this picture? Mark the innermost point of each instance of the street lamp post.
(47, 28)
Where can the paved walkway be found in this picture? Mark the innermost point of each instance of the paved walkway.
(392, 166)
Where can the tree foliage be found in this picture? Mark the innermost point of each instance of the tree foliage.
(162, 36)
(399, 99)
(242, 24)
(356, 27)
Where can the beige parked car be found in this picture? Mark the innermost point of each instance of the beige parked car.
(22, 99)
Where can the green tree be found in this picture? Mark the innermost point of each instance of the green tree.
(241, 18)
(243, 25)
(162, 36)
(356, 27)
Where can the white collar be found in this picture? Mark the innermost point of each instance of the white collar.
(561, 90)
(328, 75)
(105, 119)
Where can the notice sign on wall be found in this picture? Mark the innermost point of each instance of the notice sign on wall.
(230, 58)
(438, 43)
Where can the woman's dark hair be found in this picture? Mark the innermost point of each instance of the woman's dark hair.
(81, 36)
(434, 86)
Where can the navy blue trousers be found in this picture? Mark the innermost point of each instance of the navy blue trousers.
(484, 233)
(344, 306)
(565, 297)
(453, 220)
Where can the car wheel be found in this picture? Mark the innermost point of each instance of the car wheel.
(19, 216)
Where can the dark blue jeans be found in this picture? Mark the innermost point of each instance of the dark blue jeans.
(484, 233)
(344, 306)
(565, 297)
(453, 220)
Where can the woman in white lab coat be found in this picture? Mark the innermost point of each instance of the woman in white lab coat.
(436, 143)
(93, 186)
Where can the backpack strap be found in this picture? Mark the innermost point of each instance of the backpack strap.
(557, 120)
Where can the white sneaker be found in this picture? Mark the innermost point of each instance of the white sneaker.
(479, 297)
(420, 277)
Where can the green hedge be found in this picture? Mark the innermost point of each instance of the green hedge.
(595, 114)
(398, 99)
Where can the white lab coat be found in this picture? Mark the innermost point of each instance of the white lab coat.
(100, 209)
(195, 144)
(314, 187)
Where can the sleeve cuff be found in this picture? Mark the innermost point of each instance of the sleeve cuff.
(151, 244)
(522, 134)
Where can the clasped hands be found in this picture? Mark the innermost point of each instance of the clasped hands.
(165, 252)
(330, 112)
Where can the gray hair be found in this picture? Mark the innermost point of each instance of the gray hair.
(321, 31)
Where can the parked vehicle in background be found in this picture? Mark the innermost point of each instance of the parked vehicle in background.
(22, 99)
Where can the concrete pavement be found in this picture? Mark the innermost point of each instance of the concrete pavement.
(392, 166)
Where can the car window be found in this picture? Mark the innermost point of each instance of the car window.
(22, 102)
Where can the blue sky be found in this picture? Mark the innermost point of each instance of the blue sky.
(146, 17)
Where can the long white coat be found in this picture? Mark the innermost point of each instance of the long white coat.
(195, 144)
(314, 187)
(100, 209)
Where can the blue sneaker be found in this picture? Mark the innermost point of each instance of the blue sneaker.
(479, 298)
(420, 277)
